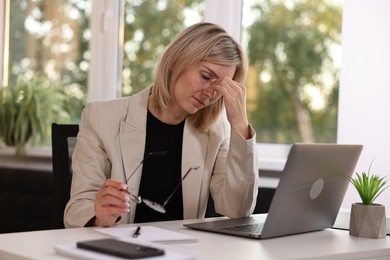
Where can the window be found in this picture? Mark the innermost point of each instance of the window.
(49, 40)
(294, 50)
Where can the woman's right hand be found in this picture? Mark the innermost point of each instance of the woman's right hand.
(111, 201)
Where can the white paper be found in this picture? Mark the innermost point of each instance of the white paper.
(148, 234)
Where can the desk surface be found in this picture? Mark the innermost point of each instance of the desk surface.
(327, 244)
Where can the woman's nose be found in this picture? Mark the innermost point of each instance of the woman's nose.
(209, 91)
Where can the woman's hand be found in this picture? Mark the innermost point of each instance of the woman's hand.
(234, 95)
(111, 201)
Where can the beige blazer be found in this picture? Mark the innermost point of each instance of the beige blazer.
(111, 143)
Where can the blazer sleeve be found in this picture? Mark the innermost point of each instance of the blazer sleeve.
(90, 167)
(234, 183)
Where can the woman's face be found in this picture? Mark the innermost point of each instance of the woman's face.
(194, 89)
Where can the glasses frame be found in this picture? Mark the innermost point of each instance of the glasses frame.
(152, 204)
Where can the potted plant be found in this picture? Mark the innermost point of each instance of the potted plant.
(27, 110)
(368, 219)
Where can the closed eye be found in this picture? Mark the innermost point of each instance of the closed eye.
(205, 77)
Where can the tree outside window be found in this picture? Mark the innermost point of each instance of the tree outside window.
(293, 77)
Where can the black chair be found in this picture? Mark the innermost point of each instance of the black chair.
(63, 141)
(264, 198)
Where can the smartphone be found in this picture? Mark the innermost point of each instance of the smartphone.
(120, 248)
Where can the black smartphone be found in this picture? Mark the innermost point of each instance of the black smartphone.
(120, 248)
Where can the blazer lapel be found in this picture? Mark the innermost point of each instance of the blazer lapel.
(132, 138)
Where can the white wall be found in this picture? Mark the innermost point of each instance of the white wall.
(364, 100)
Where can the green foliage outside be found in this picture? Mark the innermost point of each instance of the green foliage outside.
(292, 47)
(34, 50)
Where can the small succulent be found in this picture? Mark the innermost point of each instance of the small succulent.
(369, 186)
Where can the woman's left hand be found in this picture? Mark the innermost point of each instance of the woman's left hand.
(234, 95)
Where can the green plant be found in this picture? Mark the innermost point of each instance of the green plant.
(369, 186)
(27, 110)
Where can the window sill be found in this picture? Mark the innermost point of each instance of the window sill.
(272, 158)
(35, 158)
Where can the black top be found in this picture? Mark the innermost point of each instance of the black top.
(161, 174)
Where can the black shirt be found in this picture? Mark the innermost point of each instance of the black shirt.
(161, 174)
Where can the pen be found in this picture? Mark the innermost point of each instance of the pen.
(137, 232)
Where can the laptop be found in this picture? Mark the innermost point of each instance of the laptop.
(308, 197)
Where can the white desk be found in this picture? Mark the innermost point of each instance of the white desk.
(327, 244)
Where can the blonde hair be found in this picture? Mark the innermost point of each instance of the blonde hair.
(200, 42)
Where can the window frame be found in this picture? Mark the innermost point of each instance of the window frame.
(106, 45)
(4, 41)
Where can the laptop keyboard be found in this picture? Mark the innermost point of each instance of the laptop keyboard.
(253, 228)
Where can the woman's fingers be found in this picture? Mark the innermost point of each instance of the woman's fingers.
(111, 201)
(234, 95)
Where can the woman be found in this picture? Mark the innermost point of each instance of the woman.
(193, 115)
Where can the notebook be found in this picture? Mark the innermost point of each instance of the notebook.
(308, 197)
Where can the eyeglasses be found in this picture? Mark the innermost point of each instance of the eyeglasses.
(152, 204)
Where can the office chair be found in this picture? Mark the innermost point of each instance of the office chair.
(63, 141)
(264, 198)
